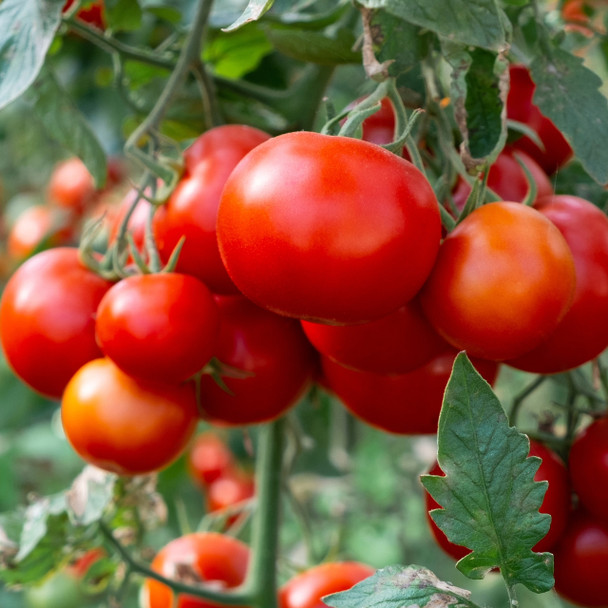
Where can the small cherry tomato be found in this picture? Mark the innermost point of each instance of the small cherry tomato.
(71, 185)
(234, 486)
(503, 280)
(124, 425)
(306, 590)
(199, 558)
(208, 458)
(94, 14)
(47, 319)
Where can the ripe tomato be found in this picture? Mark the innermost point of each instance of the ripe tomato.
(232, 487)
(327, 228)
(588, 463)
(395, 344)
(71, 185)
(47, 319)
(158, 326)
(124, 425)
(306, 589)
(507, 179)
(94, 14)
(192, 209)
(208, 458)
(199, 558)
(556, 501)
(556, 150)
(503, 280)
(407, 404)
(583, 332)
(273, 361)
(581, 561)
(137, 222)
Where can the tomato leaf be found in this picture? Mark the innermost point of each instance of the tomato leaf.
(64, 123)
(255, 9)
(489, 497)
(479, 23)
(123, 15)
(568, 93)
(27, 29)
(397, 586)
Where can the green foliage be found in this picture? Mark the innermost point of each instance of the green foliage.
(255, 9)
(123, 15)
(489, 497)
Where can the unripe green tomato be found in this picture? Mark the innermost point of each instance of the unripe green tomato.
(60, 590)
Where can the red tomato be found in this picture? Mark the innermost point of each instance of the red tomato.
(136, 224)
(124, 425)
(503, 280)
(581, 561)
(407, 404)
(273, 360)
(208, 458)
(192, 209)
(202, 557)
(94, 14)
(556, 501)
(71, 185)
(306, 232)
(583, 332)
(82, 565)
(47, 319)
(556, 150)
(306, 589)
(395, 344)
(234, 486)
(158, 326)
(588, 462)
(507, 179)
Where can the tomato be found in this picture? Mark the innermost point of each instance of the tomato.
(556, 501)
(124, 425)
(328, 228)
(71, 186)
(503, 280)
(272, 359)
(136, 224)
(47, 319)
(581, 561)
(407, 404)
(205, 557)
(192, 209)
(60, 590)
(395, 344)
(588, 463)
(208, 458)
(158, 326)
(94, 14)
(508, 180)
(82, 565)
(583, 332)
(306, 590)
(234, 486)
(556, 150)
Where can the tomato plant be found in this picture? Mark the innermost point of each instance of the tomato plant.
(71, 185)
(299, 236)
(234, 486)
(208, 458)
(93, 14)
(150, 429)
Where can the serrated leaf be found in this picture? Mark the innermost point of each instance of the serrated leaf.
(255, 9)
(64, 123)
(489, 497)
(27, 29)
(479, 23)
(569, 94)
(399, 587)
(123, 15)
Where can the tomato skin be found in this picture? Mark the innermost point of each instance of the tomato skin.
(588, 463)
(232, 487)
(306, 589)
(581, 561)
(407, 404)
(273, 353)
(208, 458)
(158, 326)
(124, 425)
(192, 209)
(321, 228)
(583, 332)
(94, 15)
(210, 557)
(136, 225)
(556, 501)
(47, 319)
(71, 186)
(395, 344)
(503, 280)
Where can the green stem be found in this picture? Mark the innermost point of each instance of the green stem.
(513, 601)
(522, 396)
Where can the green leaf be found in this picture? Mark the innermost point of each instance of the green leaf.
(67, 125)
(568, 93)
(90, 495)
(123, 15)
(398, 587)
(27, 29)
(255, 9)
(489, 497)
(471, 22)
